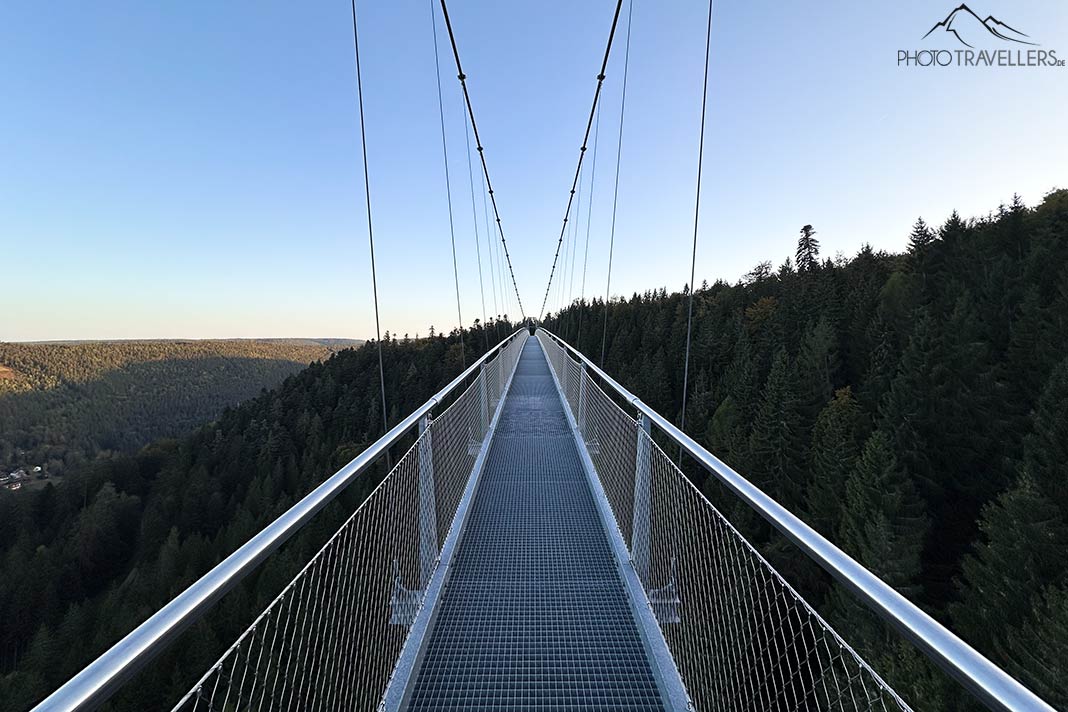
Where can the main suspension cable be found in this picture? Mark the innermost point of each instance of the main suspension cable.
(448, 184)
(696, 217)
(370, 230)
(582, 150)
(615, 193)
(481, 153)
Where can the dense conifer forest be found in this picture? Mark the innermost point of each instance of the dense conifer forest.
(63, 403)
(911, 407)
(82, 562)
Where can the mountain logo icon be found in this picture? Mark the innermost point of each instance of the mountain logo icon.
(969, 28)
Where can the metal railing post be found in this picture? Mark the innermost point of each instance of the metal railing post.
(428, 514)
(562, 372)
(639, 547)
(500, 371)
(580, 416)
(483, 399)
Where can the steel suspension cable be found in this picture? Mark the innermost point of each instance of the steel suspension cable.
(582, 149)
(474, 223)
(696, 217)
(589, 218)
(448, 183)
(615, 193)
(370, 230)
(481, 153)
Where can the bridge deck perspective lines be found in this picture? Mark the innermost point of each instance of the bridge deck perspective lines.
(534, 614)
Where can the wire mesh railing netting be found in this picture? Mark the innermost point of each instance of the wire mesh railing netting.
(331, 638)
(741, 637)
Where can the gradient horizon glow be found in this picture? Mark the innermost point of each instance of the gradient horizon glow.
(192, 170)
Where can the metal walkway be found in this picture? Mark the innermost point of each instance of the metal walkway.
(534, 614)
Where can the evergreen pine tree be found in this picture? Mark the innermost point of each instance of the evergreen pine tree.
(1037, 653)
(970, 424)
(834, 453)
(919, 243)
(954, 226)
(1024, 550)
(808, 250)
(882, 362)
(1032, 350)
(1046, 448)
(921, 237)
(947, 256)
(740, 379)
(883, 527)
(699, 407)
(774, 447)
(817, 369)
(765, 329)
(726, 435)
(906, 413)
(884, 521)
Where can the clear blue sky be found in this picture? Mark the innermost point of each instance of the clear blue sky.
(192, 169)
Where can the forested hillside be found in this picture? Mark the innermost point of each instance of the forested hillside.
(912, 407)
(84, 562)
(61, 403)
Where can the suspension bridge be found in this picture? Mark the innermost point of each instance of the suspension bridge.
(535, 548)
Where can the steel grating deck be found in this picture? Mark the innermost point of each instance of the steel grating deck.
(534, 615)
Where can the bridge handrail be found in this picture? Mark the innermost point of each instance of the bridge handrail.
(988, 683)
(101, 678)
